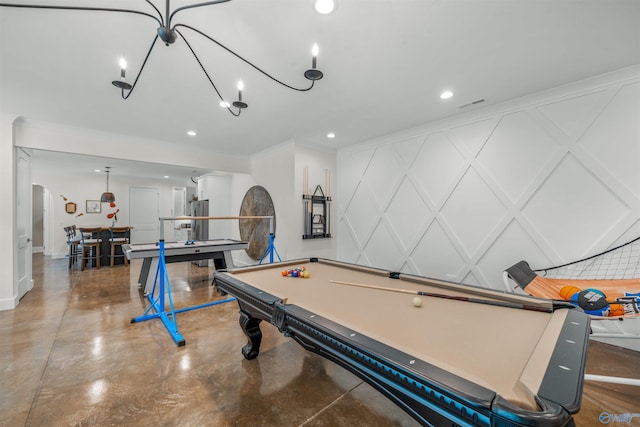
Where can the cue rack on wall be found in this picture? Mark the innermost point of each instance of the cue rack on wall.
(317, 208)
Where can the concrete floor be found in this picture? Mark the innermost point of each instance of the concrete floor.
(71, 357)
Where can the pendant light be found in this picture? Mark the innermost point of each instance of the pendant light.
(107, 197)
(170, 32)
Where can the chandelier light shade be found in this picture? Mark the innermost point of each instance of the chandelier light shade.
(107, 196)
(169, 32)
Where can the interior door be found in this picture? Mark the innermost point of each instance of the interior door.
(144, 214)
(23, 220)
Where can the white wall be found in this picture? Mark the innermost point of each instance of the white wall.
(549, 179)
(8, 237)
(274, 170)
(317, 161)
(279, 170)
(217, 189)
(52, 137)
(240, 183)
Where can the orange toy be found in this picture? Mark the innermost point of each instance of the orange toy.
(616, 310)
(567, 291)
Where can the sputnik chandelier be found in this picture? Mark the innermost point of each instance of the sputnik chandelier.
(169, 34)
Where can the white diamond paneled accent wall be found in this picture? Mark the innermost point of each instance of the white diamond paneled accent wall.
(471, 137)
(571, 208)
(573, 115)
(382, 250)
(501, 251)
(516, 152)
(437, 167)
(616, 132)
(358, 162)
(409, 149)
(549, 179)
(436, 256)
(406, 201)
(380, 174)
(472, 212)
(363, 213)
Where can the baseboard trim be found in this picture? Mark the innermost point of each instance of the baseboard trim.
(8, 303)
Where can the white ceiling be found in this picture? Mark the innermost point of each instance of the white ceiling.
(385, 63)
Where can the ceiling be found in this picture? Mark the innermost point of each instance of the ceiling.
(385, 62)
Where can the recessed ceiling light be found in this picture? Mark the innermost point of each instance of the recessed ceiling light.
(97, 170)
(191, 133)
(166, 176)
(224, 104)
(331, 135)
(446, 94)
(324, 7)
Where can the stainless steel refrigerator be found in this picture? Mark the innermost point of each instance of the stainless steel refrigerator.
(199, 228)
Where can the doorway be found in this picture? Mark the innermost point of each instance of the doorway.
(144, 214)
(23, 220)
(37, 219)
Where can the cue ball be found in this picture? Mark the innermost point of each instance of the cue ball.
(417, 301)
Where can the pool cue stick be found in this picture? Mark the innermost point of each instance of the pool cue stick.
(451, 297)
(219, 217)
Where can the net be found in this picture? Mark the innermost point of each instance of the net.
(620, 262)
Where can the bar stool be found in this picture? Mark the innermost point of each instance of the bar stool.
(73, 241)
(119, 237)
(90, 244)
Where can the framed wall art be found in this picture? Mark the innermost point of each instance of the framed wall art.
(94, 206)
(70, 207)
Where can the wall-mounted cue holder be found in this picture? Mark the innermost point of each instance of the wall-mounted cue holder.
(317, 209)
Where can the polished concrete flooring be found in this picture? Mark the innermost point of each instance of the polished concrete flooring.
(69, 356)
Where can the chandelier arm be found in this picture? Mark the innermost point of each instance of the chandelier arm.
(207, 3)
(244, 60)
(153, 43)
(157, 10)
(99, 9)
(207, 74)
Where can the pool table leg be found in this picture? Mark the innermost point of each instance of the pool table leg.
(251, 328)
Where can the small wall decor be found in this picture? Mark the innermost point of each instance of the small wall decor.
(317, 207)
(70, 207)
(113, 215)
(94, 206)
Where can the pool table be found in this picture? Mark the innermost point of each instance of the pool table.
(219, 250)
(465, 356)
